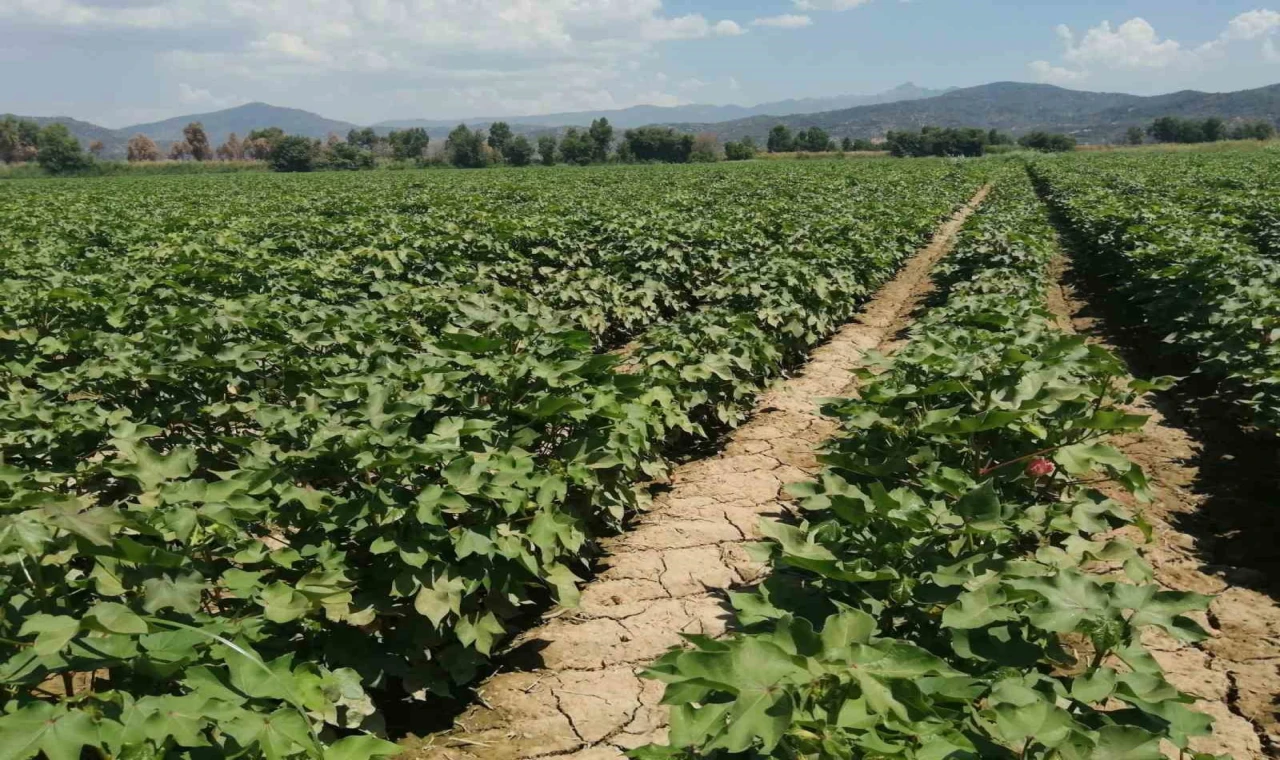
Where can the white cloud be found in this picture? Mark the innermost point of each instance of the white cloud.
(289, 46)
(1252, 25)
(1050, 74)
(1135, 46)
(195, 96)
(433, 56)
(785, 21)
(828, 5)
(728, 28)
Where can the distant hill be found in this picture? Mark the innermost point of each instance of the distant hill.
(1092, 117)
(638, 116)
(1014, 107)
(218, 125)
(241, 120)
(85, 131)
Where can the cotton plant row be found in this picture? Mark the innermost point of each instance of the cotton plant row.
(953, 585)
(1197, 265)
(256, 487)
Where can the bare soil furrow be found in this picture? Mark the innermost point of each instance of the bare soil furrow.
(571, 687)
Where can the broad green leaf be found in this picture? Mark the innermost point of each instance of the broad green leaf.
(53, 632)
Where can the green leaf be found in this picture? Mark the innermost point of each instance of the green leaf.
(979, 608)
(755, 673)
(1127, 743)
(565, 583)
(60, 733)
(361, 747)
(981, 507)
(843, 630)
(53, 632)
(180, 594)
(1094, 687)
(282, 603)
(1084, 458)
(114, 617)
(155, 719)
(149, 467)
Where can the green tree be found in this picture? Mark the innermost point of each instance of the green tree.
(846, 144)
(8, 139)
(1253, 130)
(1048, 143)
(19, 139)
(547, 150)
(293, 154)
(499, 136)
(601, 135)
(465, 148)
(743, 150)
(409, 144)
(814, 140)
(60, 151)
(780, 140)
(576, 147)
(1134, 136)
(193, 134)
(518, 152)
(936, 141)
(343, 156)
(29, 134)
(363, 138)
(1213, 129)
(1171, 129)
(657, 144)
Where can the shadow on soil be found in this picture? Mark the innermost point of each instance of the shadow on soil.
(1237, 528)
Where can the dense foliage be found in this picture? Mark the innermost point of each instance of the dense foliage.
(661, 144)
(1170, 129)
(741, 150)
(277, 450)
(954, 588)
(1189, 241)
(1047, 143)
(938, 141)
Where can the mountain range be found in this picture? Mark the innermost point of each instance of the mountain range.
(1015, 107)
(1091, 117)
(639, 116)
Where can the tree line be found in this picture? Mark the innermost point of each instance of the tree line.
(971, 142)
(52, 146)
(1171, 129)
(812, 140)
(56, 150)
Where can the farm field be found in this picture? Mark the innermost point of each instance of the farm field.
(287, 462)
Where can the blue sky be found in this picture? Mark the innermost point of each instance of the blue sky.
(118, 62)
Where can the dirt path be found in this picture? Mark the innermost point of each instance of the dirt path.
(572, 687)
(1236, 673)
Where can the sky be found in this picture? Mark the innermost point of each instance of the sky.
(122, 62)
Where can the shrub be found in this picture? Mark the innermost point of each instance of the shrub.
(60, 151)
(1048, 143)
(293, 154)
(345, 157)
(743, 150)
